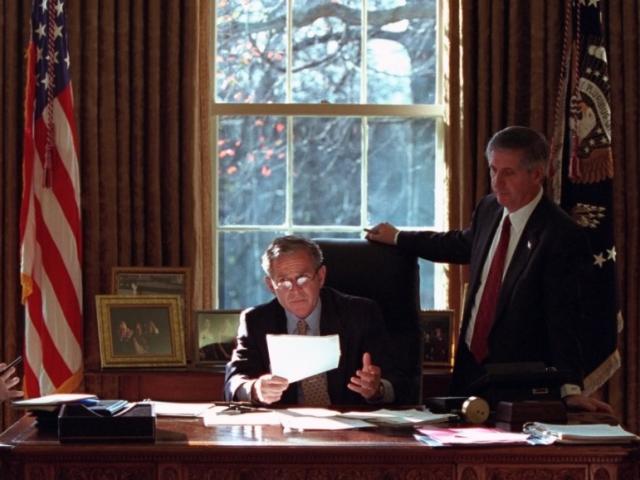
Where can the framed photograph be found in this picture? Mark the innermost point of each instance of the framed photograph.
(156, 281)
(140, 331)
(437, 330)
(215, 336)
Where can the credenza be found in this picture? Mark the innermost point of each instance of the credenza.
(187, 450)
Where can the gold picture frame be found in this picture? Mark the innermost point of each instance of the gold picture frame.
(156, 281)
(140, 331)
(437, 330)
(215, 337)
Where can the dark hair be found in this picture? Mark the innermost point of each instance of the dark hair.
(531, 143)
(289, 244)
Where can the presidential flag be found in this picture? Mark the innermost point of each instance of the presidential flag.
(50, 218)
(581, 177)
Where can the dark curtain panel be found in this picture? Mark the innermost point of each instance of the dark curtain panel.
(622, 22)
(136, 74)
(14, 21)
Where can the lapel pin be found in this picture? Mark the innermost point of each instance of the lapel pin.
(529, 246)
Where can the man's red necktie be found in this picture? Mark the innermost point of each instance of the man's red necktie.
(487, 309)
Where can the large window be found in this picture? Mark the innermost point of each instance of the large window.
(328, 119)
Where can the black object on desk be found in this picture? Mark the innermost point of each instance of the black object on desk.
(78, 423)
(519, 382)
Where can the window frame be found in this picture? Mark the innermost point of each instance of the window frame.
(289, 110)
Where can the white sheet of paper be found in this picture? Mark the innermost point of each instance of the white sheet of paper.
(296, 357)
(55, 399)
(400, 417)
(321, 423)
(270, 417)
(182, 409)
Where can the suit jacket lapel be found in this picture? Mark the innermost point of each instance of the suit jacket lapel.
(522, 254)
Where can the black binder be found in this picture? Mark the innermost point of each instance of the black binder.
(78, 423)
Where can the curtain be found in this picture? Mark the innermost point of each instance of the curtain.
(622, 21)
(14, 22)
(140, 78)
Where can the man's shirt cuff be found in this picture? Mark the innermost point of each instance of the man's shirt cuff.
(243, 393)
(570, 389)
(388, 395)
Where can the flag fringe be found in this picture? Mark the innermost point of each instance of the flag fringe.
(72, 383)
(27, 286)
(602, 374)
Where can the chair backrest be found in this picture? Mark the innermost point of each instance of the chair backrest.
(384, 274)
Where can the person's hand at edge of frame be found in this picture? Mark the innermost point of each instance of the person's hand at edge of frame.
(382, 233)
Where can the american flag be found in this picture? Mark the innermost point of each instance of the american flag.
(50, 218)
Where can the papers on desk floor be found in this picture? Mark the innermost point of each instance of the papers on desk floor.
(183, 409)
(584, 433)
(400, 417)
(290, 420)
(296, 357)
(52, 402)
(258, 417)
(438, 437)
(324, 419)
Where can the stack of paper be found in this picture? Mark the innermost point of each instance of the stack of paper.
(185, 409)
(51, 403)
(300, 419)
(400, 417)
(594, 433)
(437, 437)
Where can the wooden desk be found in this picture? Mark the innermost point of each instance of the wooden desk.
(186, 450)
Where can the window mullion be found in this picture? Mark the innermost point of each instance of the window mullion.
(364, 121)
(289, 118)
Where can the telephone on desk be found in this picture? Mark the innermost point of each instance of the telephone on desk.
(507, 382)
(519, 382)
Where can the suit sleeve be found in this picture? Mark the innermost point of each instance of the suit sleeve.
(566, 296)
(247, 362)
(453, 246)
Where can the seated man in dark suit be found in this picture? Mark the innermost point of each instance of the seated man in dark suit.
(295, 275)
(529, 270)
(8, 381)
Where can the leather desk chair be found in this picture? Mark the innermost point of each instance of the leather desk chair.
(386, 275)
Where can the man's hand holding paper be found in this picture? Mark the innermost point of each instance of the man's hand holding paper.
(269, 388)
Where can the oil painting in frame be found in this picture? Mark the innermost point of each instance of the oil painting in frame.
(437, 331)
(140, 331)
(215, 336)
(156, 281)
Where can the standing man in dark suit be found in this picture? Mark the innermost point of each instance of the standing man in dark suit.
(295, 275)
(529, 264)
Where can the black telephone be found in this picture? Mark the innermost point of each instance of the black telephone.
(519, 382)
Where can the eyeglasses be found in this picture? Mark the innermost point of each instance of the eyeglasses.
(300, 281)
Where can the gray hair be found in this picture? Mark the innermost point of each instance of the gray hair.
(290, 244)
(532, 144)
